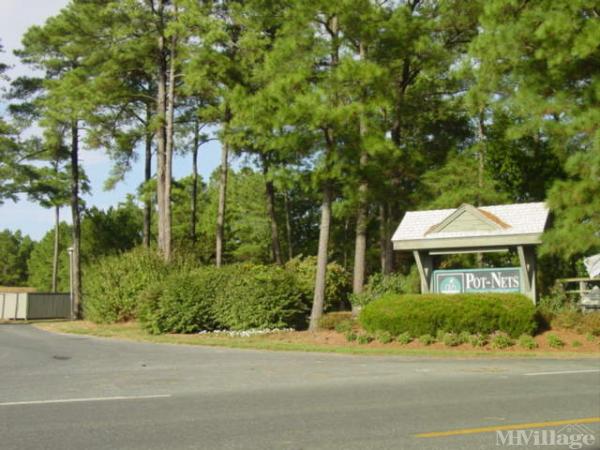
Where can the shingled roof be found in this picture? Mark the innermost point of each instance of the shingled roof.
(467, 225)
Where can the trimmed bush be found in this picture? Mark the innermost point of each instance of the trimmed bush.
(337, 285)
(113, 284)
(183, 303)
(428, 314)
(260, 297)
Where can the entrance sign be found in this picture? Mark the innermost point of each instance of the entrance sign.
(430, 235)
(477, 280)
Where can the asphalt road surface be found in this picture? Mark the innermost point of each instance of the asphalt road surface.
(73, 392)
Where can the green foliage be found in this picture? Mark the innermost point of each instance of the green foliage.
(183, 302)
(380, 285)
(590, 323)
(338, 285)
(478, 340)
(113, 231)
(260, 297)
(527, 342)
(40, 261)
(500, 341)
(426, 339)
(554, 341)
(576, 344)
(384, 337)
(112, 285)
(345, 326)
(451, 340)
(430, 314)
(331, 321)
(351, 336)
(404, 338)
(15, 250)
(567, 319)
(364, 339)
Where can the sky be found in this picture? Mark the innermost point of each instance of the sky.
(16, 16)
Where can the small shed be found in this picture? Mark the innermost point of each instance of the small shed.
(470, 229)
(18, 304)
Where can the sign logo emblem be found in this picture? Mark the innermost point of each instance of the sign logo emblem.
(451, 285)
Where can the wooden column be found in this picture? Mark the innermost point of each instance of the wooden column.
(527, 262)
(425, 266)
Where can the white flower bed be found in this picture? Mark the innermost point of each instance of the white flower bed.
(248, 333)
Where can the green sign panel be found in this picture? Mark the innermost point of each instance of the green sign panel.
(477, 280)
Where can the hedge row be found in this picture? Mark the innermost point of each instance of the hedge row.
(181, 299)
(418, 315)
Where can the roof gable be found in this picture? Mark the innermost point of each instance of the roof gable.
(468, 218)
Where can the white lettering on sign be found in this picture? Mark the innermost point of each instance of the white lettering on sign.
(484, 280)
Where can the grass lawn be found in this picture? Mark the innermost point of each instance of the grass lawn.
(324, 341)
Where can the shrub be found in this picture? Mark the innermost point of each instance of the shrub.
(527, 342)
(113, 284)
(404, 338)
(260, 297)
(426, 339)
(351, 336)
(384, 337)
(501, 341)
(576, 344)
(464, 337)
(183, 303)
(567, 319)
(344, 326)
(338, 282)
(590, 323)
(554, 341)
(379, 285)
(590, 337)
(428, 314)
(364, 339)
(478, 340)
(451, 340)
(330, 321)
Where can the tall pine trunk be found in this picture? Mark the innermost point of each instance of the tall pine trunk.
(147, 176)
(220, 237)
(360, 247)
(76, 229)
(170, 143)
(161, 141)
(270, 197)
(288, 225)
(194, 199)
(321, 275)
(56, 244)
(385, 242)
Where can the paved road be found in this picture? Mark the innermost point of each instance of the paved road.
(71, 392)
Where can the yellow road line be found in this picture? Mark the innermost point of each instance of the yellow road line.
(519, 426)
